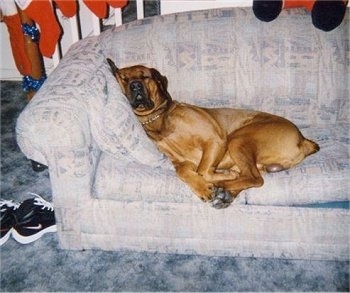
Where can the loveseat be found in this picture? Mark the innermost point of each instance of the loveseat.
(113, 190)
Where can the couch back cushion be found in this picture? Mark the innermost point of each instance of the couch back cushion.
(227, 57)
(114, 126)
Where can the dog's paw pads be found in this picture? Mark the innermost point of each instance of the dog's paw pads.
(221, 198)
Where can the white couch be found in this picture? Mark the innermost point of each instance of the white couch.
(113, 190)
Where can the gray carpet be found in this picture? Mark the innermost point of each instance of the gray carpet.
(42, 266)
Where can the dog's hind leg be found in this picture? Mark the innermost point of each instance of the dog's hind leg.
(243, 155)
(213, 154)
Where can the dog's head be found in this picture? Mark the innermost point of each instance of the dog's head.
(145, 88)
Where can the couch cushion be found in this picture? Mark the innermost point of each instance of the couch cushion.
(322, 177)
(129, 181)
(114, 126)
(228, 57)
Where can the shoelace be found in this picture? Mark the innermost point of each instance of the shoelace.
(9, 204)
(39, 201)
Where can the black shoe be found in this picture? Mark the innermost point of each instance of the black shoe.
(7, 219)
(35, 217)
(37, 167)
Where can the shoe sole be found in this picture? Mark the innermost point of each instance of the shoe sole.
(28, 239)
(6, 237)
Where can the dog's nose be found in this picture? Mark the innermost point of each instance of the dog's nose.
(136, 86)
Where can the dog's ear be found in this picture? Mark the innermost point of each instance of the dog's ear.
(163, 82)
(113, 67)
(161, 78)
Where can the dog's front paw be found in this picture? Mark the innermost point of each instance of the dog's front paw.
(203, 189)
(221, 198)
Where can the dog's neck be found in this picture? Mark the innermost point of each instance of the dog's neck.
(156, 114)
(153, 117)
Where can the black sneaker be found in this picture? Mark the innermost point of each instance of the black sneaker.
(35, 217)
(7, 218)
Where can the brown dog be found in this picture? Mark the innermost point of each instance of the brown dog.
(217, 152)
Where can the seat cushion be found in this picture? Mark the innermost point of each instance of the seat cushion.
(129, 181)
(322, 177)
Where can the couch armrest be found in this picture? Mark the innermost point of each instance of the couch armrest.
(57, 116)
(72, 176)
(40, 129)
(54, 129)
(60, 138)
(56, 133)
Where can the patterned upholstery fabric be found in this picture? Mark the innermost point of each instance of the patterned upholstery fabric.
(104, 169)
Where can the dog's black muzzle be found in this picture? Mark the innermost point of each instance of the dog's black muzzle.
(139, 96)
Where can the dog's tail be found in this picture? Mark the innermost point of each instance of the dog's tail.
(309, 147)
